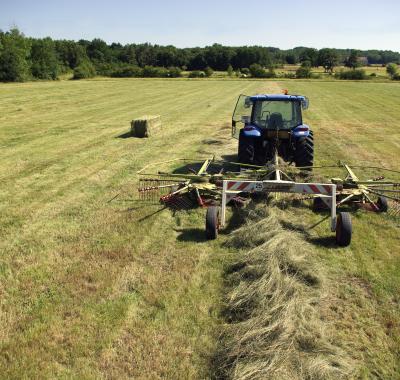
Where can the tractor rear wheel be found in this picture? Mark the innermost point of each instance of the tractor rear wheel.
(212, 222)
(246, 149)
(382, 204)
(304, 154)
(343, 229)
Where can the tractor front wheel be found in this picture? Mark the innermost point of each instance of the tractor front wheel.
(212, 222)
(343, 229)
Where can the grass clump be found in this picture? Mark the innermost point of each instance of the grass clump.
(273, 326)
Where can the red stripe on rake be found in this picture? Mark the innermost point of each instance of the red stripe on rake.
(242, 186)
(231, 184)
(328, 189)
(314, 188)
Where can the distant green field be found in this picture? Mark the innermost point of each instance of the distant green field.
(375, 73)
(92, 289)
(378, 70)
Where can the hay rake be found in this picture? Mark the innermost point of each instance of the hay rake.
(372, 194)
(180, 191)
(215, 187)
(171, 193)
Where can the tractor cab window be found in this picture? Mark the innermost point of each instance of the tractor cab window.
(277, 114)
(243, 109)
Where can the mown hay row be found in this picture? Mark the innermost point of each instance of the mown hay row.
(273, 327)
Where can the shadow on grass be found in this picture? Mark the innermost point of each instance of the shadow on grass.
(323, 241)
(125, 135)
(214, 168)
(230, 157)
(212, 142)
(188, 168)
(198, 234)
(237, 219)
(194, 235)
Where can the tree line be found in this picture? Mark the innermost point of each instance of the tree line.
(24, 58)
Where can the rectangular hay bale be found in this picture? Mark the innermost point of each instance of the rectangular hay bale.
(145, 126)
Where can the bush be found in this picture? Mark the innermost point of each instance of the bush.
(303, 72)
(289, 75)
(44, 59)
(174, 72)
(197, 74)
(245, 71)
(147, 72)
(351, 74)
(396, 76)
(14, 57)
(108, 69)
(208, 71)
(271, 73)
(84, 70)
(127, 72)
(230, 70)
(154, 72)
(257, 71)
(391, 69)
(372, 75)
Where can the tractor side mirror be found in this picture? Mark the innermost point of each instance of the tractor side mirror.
(305, 103)
(247, 102)
(245, 119)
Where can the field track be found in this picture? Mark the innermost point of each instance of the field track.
(91, 289)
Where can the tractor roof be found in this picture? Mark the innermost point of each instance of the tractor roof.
(263, 97)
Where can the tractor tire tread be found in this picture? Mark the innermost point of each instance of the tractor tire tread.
(304, 154)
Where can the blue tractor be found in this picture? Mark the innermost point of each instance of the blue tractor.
(272, 124)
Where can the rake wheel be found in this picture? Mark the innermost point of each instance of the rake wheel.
(382, 204)
(212, 222)
(343, 229)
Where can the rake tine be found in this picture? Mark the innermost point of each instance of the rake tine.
(387, 190)
(384, 195)
(114, 197)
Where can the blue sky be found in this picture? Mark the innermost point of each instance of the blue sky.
(344, 24)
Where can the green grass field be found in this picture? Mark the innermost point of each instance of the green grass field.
(92, 289)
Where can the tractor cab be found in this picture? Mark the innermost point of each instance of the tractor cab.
(273, 112)
(265, 123)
